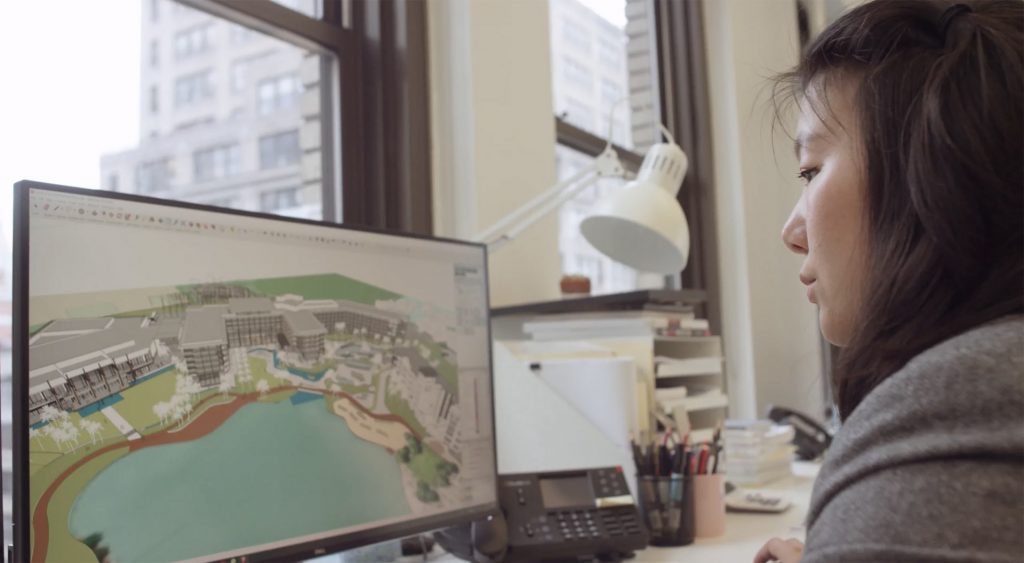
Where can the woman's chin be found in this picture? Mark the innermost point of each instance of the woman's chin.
(836, 331)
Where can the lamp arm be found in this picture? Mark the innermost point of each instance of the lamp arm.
(606, 164)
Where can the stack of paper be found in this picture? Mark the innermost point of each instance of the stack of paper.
(757, 452)
(615, 324)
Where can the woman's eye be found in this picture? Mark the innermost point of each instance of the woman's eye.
(807, 174)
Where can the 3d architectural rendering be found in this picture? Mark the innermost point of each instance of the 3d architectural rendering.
(78, 362)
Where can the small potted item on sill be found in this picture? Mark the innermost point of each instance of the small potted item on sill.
(575, 286)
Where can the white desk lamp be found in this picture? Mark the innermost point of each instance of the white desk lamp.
(641, 225)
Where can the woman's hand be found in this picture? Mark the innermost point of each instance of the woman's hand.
(778, 549)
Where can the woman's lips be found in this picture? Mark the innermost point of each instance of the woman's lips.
(810, 293)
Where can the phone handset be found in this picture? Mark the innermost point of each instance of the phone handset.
(811, 439)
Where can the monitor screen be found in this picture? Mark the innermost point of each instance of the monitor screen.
(203, 384)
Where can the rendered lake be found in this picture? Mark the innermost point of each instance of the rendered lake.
(271, 472)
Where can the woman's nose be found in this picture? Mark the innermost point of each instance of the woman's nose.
(794, 232)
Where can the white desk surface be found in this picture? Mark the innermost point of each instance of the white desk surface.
(745, 533)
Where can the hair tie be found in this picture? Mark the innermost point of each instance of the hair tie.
(950, 14)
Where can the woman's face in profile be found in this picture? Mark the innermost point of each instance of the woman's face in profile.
(828, 224)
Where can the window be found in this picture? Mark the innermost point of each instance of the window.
(610, 53)
(154, 99)
(216, 162)
(579, 103)
(112, 182)
(239, 34)
(278, 200)
(153, 176)
(577, 74)
(192, 41)
(154, 53)
(193, 88)
(278, 93)
(239, 76)
(611, 92)
(577, 36)
(281, 149)
(154, 10)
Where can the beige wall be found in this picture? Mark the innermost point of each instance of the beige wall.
(773, 351)
(494, 134)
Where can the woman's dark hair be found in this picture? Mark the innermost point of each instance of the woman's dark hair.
(939, 104)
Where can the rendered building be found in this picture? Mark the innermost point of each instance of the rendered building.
(76, 362)
(252, 322)
(348, 316)
(204, 343)
(304, 333)
(288, 323)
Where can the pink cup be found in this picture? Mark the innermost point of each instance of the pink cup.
(709, 505)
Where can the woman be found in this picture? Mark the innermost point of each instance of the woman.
(910, 224)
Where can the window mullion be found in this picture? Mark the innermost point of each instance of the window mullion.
(592, 145)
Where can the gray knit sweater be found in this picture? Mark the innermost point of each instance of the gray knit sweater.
(930, 466)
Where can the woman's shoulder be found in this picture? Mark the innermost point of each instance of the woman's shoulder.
(995, 348)
(974, 376)
(961, 399)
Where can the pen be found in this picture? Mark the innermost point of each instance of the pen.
(675, 512)
(702, 463)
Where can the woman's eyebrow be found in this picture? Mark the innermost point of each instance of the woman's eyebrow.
(803, 140)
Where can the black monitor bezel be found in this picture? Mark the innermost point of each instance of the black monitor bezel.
(19, 381)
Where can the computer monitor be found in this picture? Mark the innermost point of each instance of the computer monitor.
(193, 383)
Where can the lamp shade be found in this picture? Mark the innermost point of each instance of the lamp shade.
(642, 225)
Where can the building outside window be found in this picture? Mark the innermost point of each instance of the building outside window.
(154, 99)
(216, 162)
(278, 93)
(153, 176)
(280, 199)
(154, 53)
(193, 88)
(280, 149)
(209, 102)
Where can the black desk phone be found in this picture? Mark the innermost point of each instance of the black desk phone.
(570, 515)
(810, 438)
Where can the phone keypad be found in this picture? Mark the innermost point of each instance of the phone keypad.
(577, 525)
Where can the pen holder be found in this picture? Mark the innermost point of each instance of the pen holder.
(666, 504)
(709, 505)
